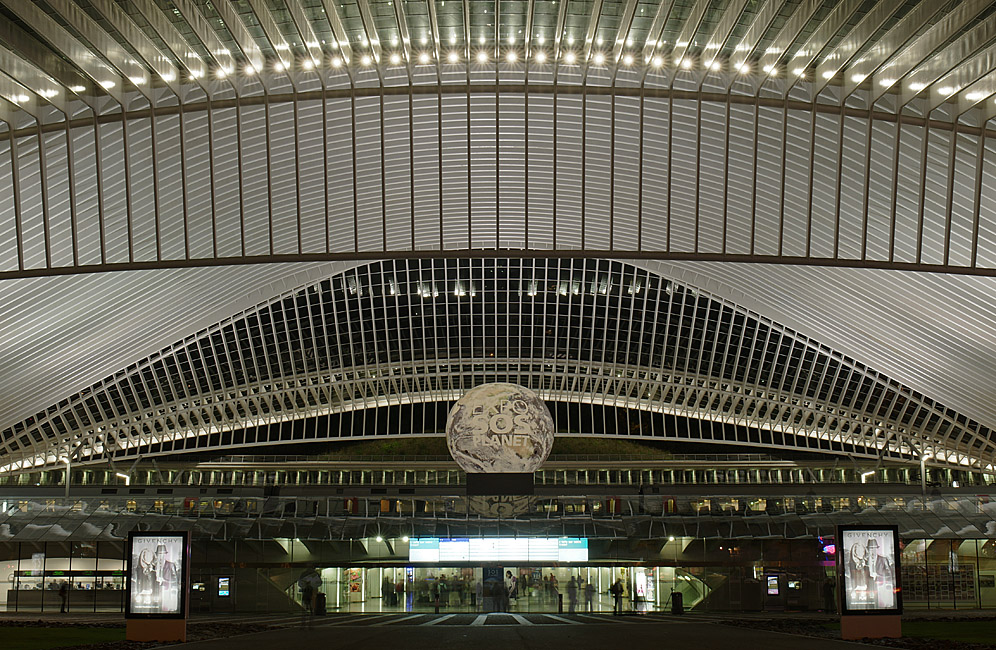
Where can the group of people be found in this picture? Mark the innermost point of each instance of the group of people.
(580, 587)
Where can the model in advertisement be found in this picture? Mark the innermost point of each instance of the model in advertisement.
(869, 570)
(155, 579)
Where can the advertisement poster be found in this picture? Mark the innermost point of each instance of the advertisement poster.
(869, 560)
(157, 574)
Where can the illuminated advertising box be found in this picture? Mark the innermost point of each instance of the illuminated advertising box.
(498, 549)
(868, 558)
(158, 567)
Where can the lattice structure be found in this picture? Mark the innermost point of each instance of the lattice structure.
(591, 333)
(828, 166)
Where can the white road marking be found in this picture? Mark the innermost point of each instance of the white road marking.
(438, 620)
(521, 619)
(563, 620)
(480, 619)
(398, 620)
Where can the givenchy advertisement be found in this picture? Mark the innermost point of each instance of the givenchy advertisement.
(156, 575)
(869, 560)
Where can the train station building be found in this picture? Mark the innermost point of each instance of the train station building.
(253, 254)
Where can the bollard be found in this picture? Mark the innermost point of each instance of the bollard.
(560, 603)
(437, 604)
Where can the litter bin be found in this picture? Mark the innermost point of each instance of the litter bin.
(677, 603)
(320, 604)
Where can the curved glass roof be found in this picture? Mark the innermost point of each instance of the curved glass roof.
(828, 166)
(590, 332)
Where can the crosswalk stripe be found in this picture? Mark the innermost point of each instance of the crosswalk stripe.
(522, 619)
(480, 619)
(399, 620)
(563, 620)
(356, 619)
(439, 620)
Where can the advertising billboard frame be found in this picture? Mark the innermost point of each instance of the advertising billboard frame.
(183, 600)
(843, 582)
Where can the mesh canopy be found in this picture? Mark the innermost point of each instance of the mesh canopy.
(823, 171)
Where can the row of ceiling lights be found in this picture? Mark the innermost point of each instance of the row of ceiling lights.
(484, 56)
(570, 58)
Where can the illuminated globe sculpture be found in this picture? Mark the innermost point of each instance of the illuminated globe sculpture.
(499, 428)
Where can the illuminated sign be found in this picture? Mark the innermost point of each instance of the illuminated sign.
(869, 564)
(498, 549)
(224, 586)
(772, 585)
(158, 563)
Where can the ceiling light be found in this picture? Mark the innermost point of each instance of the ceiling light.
(715, 65)
(78, 89)
(629, 42)
(308, 64)
(570, 40)
(453, 57)
(773, 72)
(511, 40)
(686, 63)
(599, 41)
(947, 90)
(540, 57)
(599, 58)
(138, 81)
(379, 538)
(628, 59)
(395, 59)
(425, 40)
(366, 60)
(424, 58)
(167, 76)
(512, 56)
(857, 77)
(744, 68)
(658, 61)
(976, 96)
(250, 70)
(886, 83)
(828, 74)
(540, 39)
(336, 62)
(453, 40)
(482, 57)
(916, 86)
(482, 40)
(279, 66)
(570, 58)
(799, 72)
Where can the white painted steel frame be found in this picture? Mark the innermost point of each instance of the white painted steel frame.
(174, 142)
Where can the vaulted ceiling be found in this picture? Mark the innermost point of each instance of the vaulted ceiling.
(827, 168)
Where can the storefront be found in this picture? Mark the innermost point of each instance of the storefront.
(367, 575)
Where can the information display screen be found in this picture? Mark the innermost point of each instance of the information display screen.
(224, 587)
(498, 549)
(869, 560)
(157, 575)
